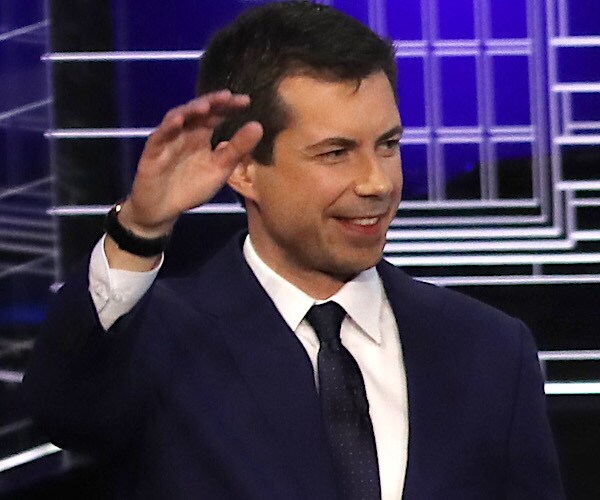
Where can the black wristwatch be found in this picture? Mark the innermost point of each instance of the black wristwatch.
(129, 241)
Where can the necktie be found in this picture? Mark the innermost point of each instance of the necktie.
(345, 407)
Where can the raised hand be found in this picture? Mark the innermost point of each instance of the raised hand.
(178, 169)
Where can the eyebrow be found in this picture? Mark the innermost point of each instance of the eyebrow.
(397, 130)
(344, 142)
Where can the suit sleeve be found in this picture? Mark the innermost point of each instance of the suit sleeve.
(533, 470)
(87, 388)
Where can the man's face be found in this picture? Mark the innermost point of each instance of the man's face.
(319, 214)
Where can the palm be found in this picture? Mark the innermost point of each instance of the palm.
(178, 169)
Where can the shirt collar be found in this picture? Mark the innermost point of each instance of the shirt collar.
(362, 297)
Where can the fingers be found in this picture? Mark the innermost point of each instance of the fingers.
(206, 111)
(241, 144)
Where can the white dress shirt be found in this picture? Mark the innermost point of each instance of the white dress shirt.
(369, 332)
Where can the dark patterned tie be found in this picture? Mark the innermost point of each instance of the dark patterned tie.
(345, 407)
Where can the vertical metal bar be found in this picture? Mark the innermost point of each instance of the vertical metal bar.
(52, 153)
(538, 115)
(377, 16)
(435, 163)
(555, 157)
(565, 97)
(485, 100)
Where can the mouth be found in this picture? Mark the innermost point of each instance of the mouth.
(365, 221)
(370, 225)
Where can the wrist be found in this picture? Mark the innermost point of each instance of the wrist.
(130, 219)
(135, 239)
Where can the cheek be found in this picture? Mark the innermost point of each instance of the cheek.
(397, 180)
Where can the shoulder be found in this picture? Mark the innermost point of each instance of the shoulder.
(454, 317)
(400, 285)
(222, 282)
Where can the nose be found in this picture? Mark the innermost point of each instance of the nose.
(374, 178)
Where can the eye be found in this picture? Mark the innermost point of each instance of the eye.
(391, 146)
(334, 154)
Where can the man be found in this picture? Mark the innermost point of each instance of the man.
(229, 383)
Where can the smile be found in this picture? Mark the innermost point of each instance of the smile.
(367, 221)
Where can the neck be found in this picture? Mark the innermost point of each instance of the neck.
(317, 284)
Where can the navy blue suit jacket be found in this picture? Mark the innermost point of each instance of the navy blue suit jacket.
(202, 391)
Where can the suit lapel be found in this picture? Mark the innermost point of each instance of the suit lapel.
(275, 366)
(279, 374)
(422, 374)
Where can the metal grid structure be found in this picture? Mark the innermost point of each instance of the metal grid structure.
(27, 236)
(479, 244)
(485, 237)
(28, 243)
(446, 240)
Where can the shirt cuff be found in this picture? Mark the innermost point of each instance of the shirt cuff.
(115, 291)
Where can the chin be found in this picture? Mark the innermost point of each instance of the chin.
(351, 267)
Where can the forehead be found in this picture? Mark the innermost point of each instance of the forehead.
(320, 106)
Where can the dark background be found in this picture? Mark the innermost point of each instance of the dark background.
(87, 173)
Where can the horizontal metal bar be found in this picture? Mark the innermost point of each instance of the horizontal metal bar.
(24, 30)
(524, 138)
(456, 43)
(509, 51)
(495, 260)
(477, 234)
(23, 248)
(508, 42)
(571, 388)
(23, 188)
(585, 202)
(418, 136)
(476, 220)
(157, 55)
(586, 235)
(577, 140)
(578, 185)
(575, 41)
(411, 53)
(512, 130)
(580, 125)
(24, 109)
(27, 222)
(12, 346)
(575, 355)
(34, 235)
(97, 133)
(21, 208)
(460, 139)
(228, 208)
(32, 267)
(468, 204)
(28, 456)
(17, 426)
(456, 52)
(452, 131)
(563, 279)
(11, 376)
(476, 246)
(416, 140)
(81, 210)
(412, 44)
(468, 139)
(579, 87)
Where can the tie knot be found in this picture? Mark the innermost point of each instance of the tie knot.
(327, 319)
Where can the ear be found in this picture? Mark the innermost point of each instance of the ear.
(242, 179)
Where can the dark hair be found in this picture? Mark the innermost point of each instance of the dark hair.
(265, 44)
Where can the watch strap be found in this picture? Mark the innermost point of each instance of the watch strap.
(129, 241)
